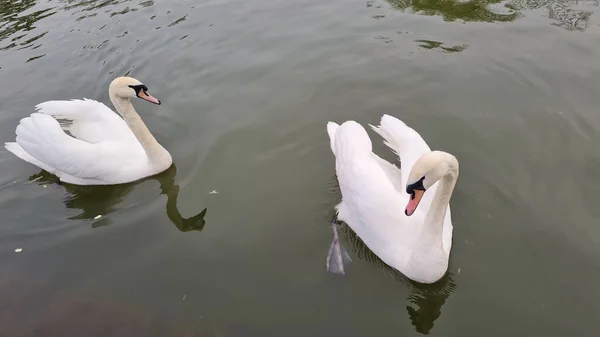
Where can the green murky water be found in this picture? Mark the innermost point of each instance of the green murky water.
(232, 240)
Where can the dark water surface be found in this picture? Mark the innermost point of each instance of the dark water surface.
(512, 89)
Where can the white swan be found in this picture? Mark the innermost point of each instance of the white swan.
(104, 149)
(415, 241)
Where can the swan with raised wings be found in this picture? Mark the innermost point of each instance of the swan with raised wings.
(103, 149)
(417, 240)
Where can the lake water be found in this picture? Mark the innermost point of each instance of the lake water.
(512, 89)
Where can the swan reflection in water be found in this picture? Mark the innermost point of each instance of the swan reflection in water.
(102, 200)
(426, 299)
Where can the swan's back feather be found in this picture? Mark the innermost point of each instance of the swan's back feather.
(393, 173)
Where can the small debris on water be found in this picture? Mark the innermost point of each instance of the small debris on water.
(44, 186)
(18, 250)
(97, 216)
(459, 270)
(214, 192)
(184, 296)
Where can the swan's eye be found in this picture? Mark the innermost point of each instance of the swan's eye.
(417, 186)
(138, 88)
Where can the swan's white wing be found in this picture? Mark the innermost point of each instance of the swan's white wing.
(88, 120)
(331, 130)
(392, 171)
(73, 160)
(403, 140)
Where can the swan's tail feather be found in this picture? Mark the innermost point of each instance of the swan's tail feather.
(337, 257)
(18, 151)
(331, 129)
(34, 134)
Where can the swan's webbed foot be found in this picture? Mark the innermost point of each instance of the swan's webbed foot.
(337, 257)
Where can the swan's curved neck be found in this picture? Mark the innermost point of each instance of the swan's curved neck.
(433, 225)
(155, 152)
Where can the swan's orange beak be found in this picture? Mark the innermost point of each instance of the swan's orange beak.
(147, 97)
(415, 198)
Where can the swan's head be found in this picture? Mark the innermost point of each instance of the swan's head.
(426, 171)
(129, 87)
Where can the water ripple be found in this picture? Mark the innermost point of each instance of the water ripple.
(35, 58)
(18, 20)
(124, 11)
(12, 21)
(91, 5)
(147, 3)
(429, 44)
(178, 21)
(566, 14)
